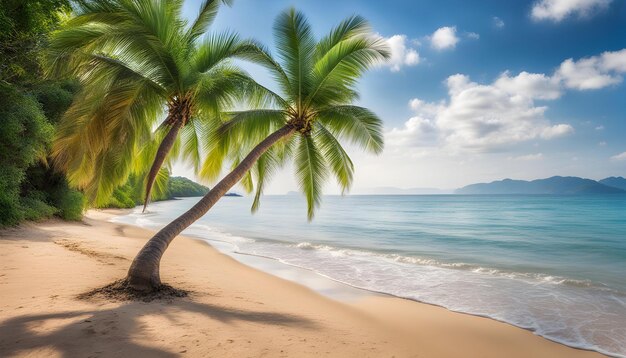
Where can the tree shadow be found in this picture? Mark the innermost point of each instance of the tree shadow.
(110, 331)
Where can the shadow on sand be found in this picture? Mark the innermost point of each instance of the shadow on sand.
(109, 332)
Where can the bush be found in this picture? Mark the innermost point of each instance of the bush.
(55, 98)
(71, 204)
(35, 207)
(24, 135)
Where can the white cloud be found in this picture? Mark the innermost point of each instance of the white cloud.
(620, 157)
(477, 122)
(556, 131)
(532, 85)
(528, 157)
(444, 38)
(600, 128)
(585, 75)
(614, 61)
(593, 72)
(473, 35)
(497, 22)
(402, 54)
(417, 132)
(557, 10)
(480, 117)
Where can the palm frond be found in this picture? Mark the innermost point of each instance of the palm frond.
(295, 45)
(206, 16)
(353, 26)
(355, 124)
(335, 74)
(311, 172)
(267, 165)
(338, 160)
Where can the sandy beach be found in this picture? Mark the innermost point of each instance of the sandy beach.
(233, 310)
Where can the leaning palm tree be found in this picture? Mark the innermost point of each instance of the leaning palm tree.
(138, 61)
(312, 112)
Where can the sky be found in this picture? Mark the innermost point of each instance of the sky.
(474, 92)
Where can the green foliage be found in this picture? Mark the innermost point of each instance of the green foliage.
(70, 203)
(317, 81)
(24, 25)
(24, 134)
(29, 189)
(130, 194)
(35, 207)
(55, 97)
(135, 59)
(180, 187)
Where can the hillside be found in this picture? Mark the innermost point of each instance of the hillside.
(181, 187)
(131, 193)
(554, 185)
(615, 182)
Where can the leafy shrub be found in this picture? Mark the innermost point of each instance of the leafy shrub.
(24, 134)
(35, 207)
(70, 204)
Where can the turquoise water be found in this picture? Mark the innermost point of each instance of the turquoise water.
(552, 264)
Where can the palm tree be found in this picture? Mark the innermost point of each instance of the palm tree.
(314, 108)
(137, 60)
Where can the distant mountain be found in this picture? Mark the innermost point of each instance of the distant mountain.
(554, 185)
(615, 182)
(181, 187)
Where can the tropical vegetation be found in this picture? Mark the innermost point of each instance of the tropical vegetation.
(137, 62)
(131, 85)
(308, 116)
(131, 193)
(31, 108)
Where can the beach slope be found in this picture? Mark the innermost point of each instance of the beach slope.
(232, 311)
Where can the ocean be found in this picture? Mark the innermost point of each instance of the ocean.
(555, 265)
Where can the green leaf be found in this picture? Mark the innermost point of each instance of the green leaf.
(356, 124)
(311, 172)
(338, 160)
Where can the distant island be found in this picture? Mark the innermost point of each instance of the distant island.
(556, 185)
(181, 187)
(130, 194)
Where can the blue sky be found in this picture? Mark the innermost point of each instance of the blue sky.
(477, 92)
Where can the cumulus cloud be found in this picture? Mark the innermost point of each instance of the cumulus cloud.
(528, 157)
(532, 85)
(472, 35)
(493, 116)
(402, 54)
(444, 38)
(620, 157)
(497, 22)
(557, 10)
(556, 131)
(593, 72)
(479, 117)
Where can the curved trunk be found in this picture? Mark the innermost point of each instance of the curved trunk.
(143, 274)
(164, 149)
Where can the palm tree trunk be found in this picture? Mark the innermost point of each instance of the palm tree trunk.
(164, 149)
(143, 274)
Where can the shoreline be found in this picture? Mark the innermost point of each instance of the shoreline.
(47, 264)
(372, 292)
